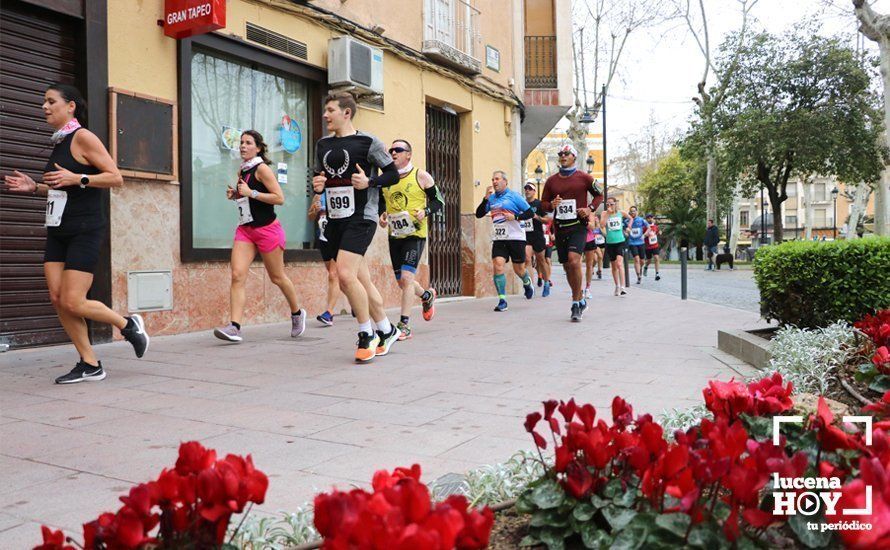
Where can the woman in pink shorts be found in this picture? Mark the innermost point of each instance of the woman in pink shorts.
(255, 197)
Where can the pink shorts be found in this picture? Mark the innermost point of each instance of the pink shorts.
(266, 238)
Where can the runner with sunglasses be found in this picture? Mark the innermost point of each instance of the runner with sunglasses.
(566, 195)
(409, 204)
(536, 243)
(612, 220)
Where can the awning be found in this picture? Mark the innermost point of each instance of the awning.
(539, 120)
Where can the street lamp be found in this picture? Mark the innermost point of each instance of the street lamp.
(539, 173)
(834, 193)
(589, 162)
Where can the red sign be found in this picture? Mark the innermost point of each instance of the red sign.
(184, 18)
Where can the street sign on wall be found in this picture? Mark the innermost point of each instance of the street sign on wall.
(184, 18)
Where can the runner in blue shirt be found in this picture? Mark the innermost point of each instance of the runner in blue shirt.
(635, 228)
(507, 209)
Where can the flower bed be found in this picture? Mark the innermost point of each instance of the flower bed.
(711, 486)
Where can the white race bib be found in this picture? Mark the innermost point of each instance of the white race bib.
(636, 232)
(322, 223)
(401, 224)
(614, 224)
(244, 215)
(499, 232)
(566, 210)
(653, 238)
(55, 207)
(527, 226)
(598, 238)
(341, 202)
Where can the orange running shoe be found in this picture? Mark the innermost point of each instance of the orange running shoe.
(367, 347)
(429, 306)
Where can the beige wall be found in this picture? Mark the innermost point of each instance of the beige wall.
(143, 60)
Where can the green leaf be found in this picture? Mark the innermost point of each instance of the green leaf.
(618, 518)
(613, 488)
(880, 384)
(548, 518)
(524, 504)
(583, 512)
(598, 502)
(626, 499)
(553, 538)
(675, 523)
(529, 540)
(811, 538)
(866, 373)
(594, 537)
(631, 538)
(548, 495)
(703, 536)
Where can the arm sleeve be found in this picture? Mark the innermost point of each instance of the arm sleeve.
(389, 174)
(323, 203)
(434, 201)
(482, 209)
(527, 215)
(596, 194)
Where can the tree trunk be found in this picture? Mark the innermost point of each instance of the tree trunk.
(699, 253)
(735, 218)
(711, 185)
(777, 218)
(577, 132)
(882, 201)
(861, 193)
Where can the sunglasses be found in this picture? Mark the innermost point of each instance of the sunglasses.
(398, 150)
(563, 153)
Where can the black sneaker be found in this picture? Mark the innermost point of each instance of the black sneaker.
(576, 313)
(136, 334)
(367, 347)
(82, 372)
(387, 340)
(540, 282)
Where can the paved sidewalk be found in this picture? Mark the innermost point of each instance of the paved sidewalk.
(452, 398)
(729, 288)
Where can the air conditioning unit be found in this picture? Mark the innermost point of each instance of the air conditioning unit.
(355, 65)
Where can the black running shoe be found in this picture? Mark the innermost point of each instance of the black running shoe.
(136, 334)
(82, 372)
(387, 340)
(576, 313)
(540, 282)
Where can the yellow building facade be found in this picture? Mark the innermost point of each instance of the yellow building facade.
(171, 110)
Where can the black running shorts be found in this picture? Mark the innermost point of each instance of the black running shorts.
(78, 248)
(614, 250)
(652, 252)
(536, 240)
(405, 254)
(570, 240)
(350, 235)
(510, 250)
(590, 245)
(638, 250)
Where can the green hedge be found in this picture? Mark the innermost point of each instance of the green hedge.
(813, 284)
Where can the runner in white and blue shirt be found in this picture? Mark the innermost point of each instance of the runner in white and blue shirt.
(507, 209)
(635, 228)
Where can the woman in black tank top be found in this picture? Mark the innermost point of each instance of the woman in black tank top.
(255, 195)
(78, 168)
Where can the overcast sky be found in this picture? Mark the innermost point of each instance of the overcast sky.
(660, 67)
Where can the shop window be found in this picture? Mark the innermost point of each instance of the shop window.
(743, 218)
(229, 97)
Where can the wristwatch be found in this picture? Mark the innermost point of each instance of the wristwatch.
(254, 194)
(84, 181)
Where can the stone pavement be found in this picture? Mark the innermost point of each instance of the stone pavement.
(729, 288)
(452, 398)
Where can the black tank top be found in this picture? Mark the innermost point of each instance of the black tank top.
(263, 213)
(84, 207)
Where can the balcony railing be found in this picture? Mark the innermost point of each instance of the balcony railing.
(540, 62)
(451, 32)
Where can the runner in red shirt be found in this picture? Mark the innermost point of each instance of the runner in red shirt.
(566, 195)
(652, 247)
